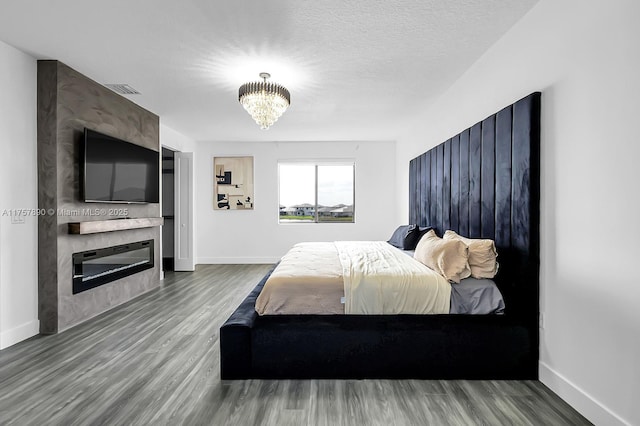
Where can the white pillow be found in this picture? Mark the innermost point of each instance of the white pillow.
(482, 255)
(449, 258)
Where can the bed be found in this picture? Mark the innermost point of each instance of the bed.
(481, 183)
(314, 278)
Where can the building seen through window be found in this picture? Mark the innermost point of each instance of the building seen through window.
(318, 192)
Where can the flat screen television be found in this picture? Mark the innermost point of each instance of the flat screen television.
(116, 171)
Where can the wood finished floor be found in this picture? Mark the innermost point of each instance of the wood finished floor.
(155, 360)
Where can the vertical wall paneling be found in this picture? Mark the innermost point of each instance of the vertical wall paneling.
(463, 215)
(417, 187)
(413, 191)
(446, 186)
(439, 179)
(455, 181)
(485, 183)
(414, 179)
(433, 195)
(424, 192)
(520, 164)
(475, 146)
(503, 177)
(487, 216)
(523, 194)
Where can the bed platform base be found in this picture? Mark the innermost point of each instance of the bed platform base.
(373, 347)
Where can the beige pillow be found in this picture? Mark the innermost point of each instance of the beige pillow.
(482, 255)
(449, 258)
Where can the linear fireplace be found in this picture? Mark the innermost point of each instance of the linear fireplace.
(97, 267)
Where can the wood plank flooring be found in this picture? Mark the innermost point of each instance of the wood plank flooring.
(155, 360)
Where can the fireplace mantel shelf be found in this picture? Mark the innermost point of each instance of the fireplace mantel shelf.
(96, 226)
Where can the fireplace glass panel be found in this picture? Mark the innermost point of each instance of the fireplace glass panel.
(97, 267)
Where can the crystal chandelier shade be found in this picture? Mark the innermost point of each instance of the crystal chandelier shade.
(264, 101)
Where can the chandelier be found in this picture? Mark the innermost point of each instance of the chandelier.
(265, 102)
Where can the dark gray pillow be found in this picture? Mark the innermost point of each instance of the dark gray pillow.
(405, 237)
(417, 234)
(421, 231)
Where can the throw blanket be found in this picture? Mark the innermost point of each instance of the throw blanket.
(308, 281)
(378, 279)
(373, 277)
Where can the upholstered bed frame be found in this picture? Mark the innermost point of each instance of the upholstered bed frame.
(482, 183)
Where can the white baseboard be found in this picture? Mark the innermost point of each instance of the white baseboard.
(18, 334)
(236, 260)
(596, 412)
(181, 265)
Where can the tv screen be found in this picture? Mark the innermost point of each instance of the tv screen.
(117, 171)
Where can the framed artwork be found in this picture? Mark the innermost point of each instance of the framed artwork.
(233, 183)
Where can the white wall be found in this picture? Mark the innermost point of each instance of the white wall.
(175, 141)
(585, 58)
(233, 236)
(18, 190)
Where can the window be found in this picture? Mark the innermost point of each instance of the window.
(317, 192)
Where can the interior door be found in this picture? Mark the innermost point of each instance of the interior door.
(184, 247)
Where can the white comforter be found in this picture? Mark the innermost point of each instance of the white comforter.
(379, 279)
(371, 277)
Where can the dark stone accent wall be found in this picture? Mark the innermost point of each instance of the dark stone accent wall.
(47, 197)
(67, 103)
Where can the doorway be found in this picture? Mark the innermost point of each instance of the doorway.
(168, 207)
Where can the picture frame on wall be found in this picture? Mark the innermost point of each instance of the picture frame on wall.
(233, 183)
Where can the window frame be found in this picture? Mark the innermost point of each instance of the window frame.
(316, 164)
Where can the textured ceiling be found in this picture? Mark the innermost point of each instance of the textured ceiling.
(356, 70)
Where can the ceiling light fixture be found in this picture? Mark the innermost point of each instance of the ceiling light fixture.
(265, 102)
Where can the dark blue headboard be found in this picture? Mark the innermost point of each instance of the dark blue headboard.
(485, 183)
